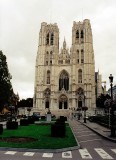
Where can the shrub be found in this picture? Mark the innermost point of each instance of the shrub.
(1, 128)
(35, 118)
(58, 130)
(24, 122)
(31, 120)
(63, 118)
(43, 117)
(12, 125)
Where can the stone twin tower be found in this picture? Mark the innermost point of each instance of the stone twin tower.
(64, 79)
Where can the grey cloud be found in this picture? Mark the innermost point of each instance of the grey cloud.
(21, 20)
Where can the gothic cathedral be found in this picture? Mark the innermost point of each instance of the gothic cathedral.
(65, 79)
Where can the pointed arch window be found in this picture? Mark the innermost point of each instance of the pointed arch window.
(82, 56)
(77, 34)
(52, 39)
(48, 77)
(50, 62)
(64, 81)
(80, 95)
(46, 62)
(78, 56)
(82, 34)
(80, 76)
(47, 39)
(47, 93)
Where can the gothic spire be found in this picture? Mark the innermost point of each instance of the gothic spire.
(64, 44)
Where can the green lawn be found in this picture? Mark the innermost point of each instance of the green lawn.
(43, 135)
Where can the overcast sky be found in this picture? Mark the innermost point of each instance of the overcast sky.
(20, 22)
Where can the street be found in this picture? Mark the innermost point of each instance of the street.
(92, 146)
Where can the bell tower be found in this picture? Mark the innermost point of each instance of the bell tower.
(48, 50)
(83, 67)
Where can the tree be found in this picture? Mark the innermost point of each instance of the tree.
(101, 100)
(6, 90)
(26, 102)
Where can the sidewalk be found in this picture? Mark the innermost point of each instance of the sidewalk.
(100, 130)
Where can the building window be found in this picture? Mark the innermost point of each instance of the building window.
(82, 56)
(50, 62)
(64, 81)
(47, 104)
(82, 61)
(60, 105)
(82, 34)
(67, 61)
(77, 34)
(79, 76)
(47, 93)
(78, 56)
(48, 77)
(52, 39)
(47, 39)
(60, 61)
(46, 62)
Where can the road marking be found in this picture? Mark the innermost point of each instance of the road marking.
(48, 155)
(67, 154)
(85, 154)
(10, 152)
(28, 153)
(90, 140)
(88, 135)
(102, 153)
(114, 150)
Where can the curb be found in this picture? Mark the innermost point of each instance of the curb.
(40, 150)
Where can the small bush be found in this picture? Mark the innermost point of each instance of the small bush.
(12, 125)
(58, 130)
(31, 120)
(1, 128)
(43, 117)
(35, 118)
(24, 122)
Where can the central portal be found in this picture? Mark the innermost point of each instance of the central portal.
(63, 102)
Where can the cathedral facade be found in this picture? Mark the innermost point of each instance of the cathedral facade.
(65, 79)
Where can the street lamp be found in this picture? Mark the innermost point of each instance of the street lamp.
(112, 109)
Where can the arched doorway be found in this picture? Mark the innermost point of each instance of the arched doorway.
(63, 102)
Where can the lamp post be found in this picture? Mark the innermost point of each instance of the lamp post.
(111, 106)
